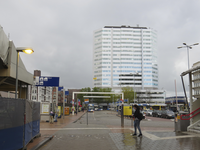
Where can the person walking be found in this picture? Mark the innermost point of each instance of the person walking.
(51, 117)
(137, 118)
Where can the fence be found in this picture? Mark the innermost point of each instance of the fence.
(19, 122)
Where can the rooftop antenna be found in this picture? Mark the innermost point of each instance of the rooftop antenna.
(8, 36)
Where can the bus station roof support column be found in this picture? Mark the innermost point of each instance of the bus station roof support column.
(191, 99)
(185, 93)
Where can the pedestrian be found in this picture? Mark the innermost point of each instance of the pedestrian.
(51, 117)
(137, 118)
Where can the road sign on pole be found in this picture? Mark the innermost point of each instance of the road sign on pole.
(86, 101)
(46, 81)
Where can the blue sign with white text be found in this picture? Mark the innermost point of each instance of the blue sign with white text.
(47, 81)
(60, 88)
(66, 92)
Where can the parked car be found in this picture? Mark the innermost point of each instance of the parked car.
(149, 112)
(167, 114)
(154, 113)
(159, 112)
(144, 112)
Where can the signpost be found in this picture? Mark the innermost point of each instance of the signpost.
(63, 103)
(86, 101)
(46, 81)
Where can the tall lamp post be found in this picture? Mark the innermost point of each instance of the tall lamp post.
(26, 50)
(189, 47)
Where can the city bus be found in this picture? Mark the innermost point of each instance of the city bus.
(96, 107)
(90, 107)
(100, 108)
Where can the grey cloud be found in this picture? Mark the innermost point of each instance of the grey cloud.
(61, 33)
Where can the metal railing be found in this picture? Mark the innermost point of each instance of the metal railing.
(192, 114)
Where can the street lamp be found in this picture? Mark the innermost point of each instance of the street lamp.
(26, 50)
(188, 47)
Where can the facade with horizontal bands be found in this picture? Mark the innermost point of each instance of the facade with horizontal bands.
(125, 56)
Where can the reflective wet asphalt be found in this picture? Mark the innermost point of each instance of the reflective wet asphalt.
(103, 132)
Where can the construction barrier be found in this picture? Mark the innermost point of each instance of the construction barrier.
(20, 122)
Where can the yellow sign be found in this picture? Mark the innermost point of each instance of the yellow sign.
(127, 110)
(95, 78)
(178, 117)
(59, 111)
(66, 110)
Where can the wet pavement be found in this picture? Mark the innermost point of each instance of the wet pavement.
(104, 133)
(51, 129)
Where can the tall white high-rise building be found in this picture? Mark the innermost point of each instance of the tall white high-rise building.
(125, 56)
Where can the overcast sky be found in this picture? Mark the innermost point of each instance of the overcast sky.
(61, 31)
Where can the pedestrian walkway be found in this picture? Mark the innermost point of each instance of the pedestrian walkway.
(103, 132)
(51, 129)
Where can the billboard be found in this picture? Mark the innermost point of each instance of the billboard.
(45, 108)
(46, 81)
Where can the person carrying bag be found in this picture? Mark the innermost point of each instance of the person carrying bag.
(137, 117)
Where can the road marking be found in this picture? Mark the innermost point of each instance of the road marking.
(178, 137)
(84, 128)
(94, 117)
(149, 120)
(154, 137)
(148, 135)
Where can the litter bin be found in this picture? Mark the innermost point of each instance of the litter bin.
(181, 125)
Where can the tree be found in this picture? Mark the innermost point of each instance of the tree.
(129, 94)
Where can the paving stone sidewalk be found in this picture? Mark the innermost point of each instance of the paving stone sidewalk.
(54, 128)
(101, 134)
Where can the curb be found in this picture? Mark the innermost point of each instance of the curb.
(42, 143)
(79, 117)
(49, 138)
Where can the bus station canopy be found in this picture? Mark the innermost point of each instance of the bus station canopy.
(96, 96)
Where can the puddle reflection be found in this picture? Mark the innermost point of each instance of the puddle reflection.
(129, 140)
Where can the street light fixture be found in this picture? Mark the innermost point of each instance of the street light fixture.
(188, 47)
(26, 50)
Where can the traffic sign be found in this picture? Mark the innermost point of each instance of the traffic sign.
(46, 81)
(86, 101)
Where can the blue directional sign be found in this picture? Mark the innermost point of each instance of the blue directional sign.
(47, 81)
(60, 88)
(66, 92)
